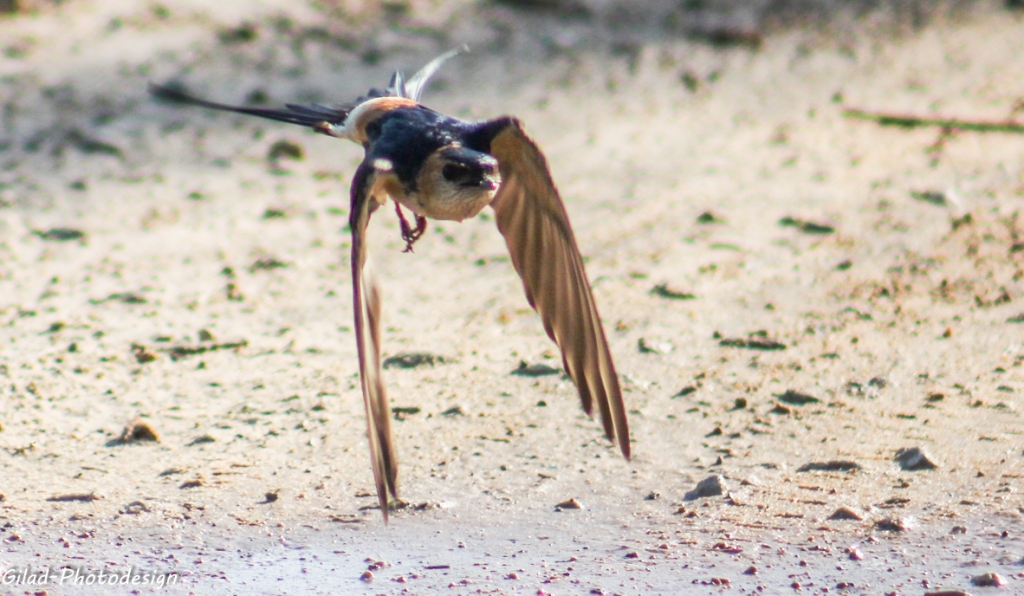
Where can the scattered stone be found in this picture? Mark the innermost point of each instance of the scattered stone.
(60, 234)
(122, 297)
(854, 552)
(413, 360)
(781, 409)
(378, 565)
(896, 501)
(750, 570)
(453, 411)
(766, 345)
(797, 399)
(90, 145)
(836, 465)
(893, 524)
(192, 483)
(878, 382)
(512, 575)
(729, 549)
(685, 391)
(988, 580)
(934, 197)
(139, 430)
(740, 403)
(205, 335)
(536, 369)
(287, 149)
(709, 218)
(401, 412)
(367, 576)
(135, 508)
(948, 593)
(652, 496)
(569, 504)
(181, 352)
(734, 499)
(663, 347)
(664, 291)
(632, 555)
(712, 486)
(935, 398)
(73, 498)
(845, 513)
(142, 355)
(266, 264)
(271, 496)
(958, 530)
(201, 440)
(913, 459)
(807, 227)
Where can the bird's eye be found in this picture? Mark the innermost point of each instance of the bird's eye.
(454, 172)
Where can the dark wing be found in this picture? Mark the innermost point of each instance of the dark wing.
(304, 115)
(366, 306)
(532, 218)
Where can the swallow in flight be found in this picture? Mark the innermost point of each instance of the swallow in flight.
(444, 168)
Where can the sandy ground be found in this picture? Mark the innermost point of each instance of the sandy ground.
(161, 263)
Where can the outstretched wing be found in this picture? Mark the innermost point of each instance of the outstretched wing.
(532, 218)
(366, 307)
(303, 115)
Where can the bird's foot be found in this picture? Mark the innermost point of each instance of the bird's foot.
(409, 233)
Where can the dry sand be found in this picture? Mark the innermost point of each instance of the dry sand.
(209, 297)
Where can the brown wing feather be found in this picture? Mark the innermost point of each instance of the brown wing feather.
(532, 218)
(366, 307)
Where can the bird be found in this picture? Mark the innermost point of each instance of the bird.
(445, 168)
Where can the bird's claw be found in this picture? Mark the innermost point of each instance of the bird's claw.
(409, 233)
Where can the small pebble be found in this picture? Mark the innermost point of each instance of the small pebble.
(367, 576)
(712, 486)
(855, 553)
(536, 369)
(893, 524)
(569, 504)
(845, 513)
(835, 465)
(988, 580)
(913, 459)
(139, 430)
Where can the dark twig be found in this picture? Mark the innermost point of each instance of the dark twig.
(910, 121)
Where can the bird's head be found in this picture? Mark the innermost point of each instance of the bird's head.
(460, 181)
